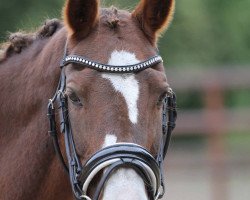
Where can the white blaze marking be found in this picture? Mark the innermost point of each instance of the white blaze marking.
(109, 140)
(126, 84)
(124, 184)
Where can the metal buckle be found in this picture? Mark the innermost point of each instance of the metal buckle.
(160, 193)
(61, 94)
(51, 104)
(170, 92)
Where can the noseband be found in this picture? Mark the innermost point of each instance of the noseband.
(111, 158)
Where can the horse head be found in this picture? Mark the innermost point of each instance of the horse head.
(106, 107)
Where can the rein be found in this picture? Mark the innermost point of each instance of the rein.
(115, 156)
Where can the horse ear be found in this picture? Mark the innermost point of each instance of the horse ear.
(80, 16)
(154, 16)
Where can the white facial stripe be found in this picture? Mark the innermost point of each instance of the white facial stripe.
(109, 140)
(126, 84)
(125, 184)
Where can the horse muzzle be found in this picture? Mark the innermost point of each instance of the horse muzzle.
(120, 155)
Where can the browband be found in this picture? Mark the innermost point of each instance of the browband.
(111, 68)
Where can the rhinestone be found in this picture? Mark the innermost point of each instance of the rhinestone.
(124, 69)
(116, 69)
(112, 69)
(100, 66)
(93, 64)
(135, 67)
(108, 68)
(144, 65)
(96, 65)
(90, 63)
(120, 69)
(128, 69)
(131, 68)
(77, 59)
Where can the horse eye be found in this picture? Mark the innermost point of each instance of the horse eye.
(75, 99)
(161, 98)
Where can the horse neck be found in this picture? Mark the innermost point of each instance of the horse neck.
(27, 81)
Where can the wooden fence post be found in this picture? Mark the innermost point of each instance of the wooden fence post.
(215, 125)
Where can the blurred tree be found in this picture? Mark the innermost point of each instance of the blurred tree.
(203, 33)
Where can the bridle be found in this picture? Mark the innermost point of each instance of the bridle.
(112, 157)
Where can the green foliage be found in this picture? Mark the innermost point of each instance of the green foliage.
(209, 32)
(203, 33)
(26, 14)
(238, 99)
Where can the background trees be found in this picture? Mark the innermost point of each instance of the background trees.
(203, 33)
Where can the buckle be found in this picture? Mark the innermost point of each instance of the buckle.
(170, 92)
(160, 193)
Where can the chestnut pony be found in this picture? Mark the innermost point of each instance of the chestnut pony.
(104, 108)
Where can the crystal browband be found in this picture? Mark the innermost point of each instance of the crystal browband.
(110, 68)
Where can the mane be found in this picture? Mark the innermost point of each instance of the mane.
(111, 15)
(19, 41)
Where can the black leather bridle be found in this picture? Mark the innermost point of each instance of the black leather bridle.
(129, 155)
